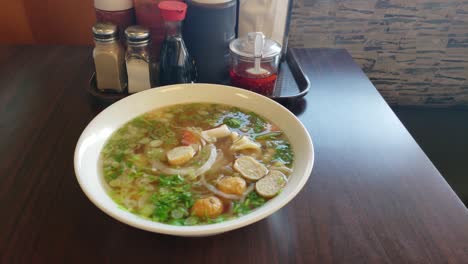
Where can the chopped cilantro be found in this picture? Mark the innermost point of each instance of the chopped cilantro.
(252, 201)
(270, 135)
(232, 122)
(284, 153)
(173, 199)
(256, 122)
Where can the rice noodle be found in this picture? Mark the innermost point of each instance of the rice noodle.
(220, 161)
(159, 166)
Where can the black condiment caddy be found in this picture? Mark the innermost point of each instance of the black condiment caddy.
(292, 84)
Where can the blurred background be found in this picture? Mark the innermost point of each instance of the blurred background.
(415, 53)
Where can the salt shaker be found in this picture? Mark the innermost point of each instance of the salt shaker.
(138, 59)
(109, 58)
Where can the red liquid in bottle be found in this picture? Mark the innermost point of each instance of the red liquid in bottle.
(262, 84)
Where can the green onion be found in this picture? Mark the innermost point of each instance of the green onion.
(192, 220)
(270, 135)
(232, 122)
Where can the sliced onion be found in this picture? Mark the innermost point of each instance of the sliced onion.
(226, 195)
(199, 135)
(222, 194)
(248, 190)
(282, 169)
(159, 166)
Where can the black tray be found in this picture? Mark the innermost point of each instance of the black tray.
(291, 84)
(106, 96)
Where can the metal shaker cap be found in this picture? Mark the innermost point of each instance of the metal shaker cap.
(137, 35)
(105, 32)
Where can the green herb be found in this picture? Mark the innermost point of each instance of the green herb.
(283, 152)
(141, 122)
(218, 219)
(162, 131)
(252, 201)
(111, 173)
(135, 174)
(256, 122)
(232, 122)
(256, 200)
(270, 135)
(119, 156)
(173, 199)
(155, 153)
(177, 222)
(192, 220)
(170, 181)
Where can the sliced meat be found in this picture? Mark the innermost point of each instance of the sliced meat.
(271, 184)
(250, 168)
(180, 155)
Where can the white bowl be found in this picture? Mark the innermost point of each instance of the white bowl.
(103, 125)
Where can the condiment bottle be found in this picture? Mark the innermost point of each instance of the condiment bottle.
(175, 65)
(208, 29)
(117, 12)
(148, 15)
(138, 59)
(254, 63)
(109, 58)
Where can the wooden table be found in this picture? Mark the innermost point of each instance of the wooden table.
(373, 195)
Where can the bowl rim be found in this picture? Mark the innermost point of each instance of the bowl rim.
(197, 230)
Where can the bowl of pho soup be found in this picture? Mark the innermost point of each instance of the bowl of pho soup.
(193, 159)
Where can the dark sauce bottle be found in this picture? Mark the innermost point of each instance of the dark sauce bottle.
(176, 65)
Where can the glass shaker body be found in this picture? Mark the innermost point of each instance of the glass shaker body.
(139, 70)
(109, 59)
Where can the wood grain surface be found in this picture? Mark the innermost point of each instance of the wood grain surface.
(373, 197)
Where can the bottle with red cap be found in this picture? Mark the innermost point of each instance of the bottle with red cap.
(149, 16)
(176, 65)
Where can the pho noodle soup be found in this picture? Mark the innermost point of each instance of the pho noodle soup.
(193, 164)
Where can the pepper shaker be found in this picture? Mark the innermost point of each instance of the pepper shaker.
(109, 58)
